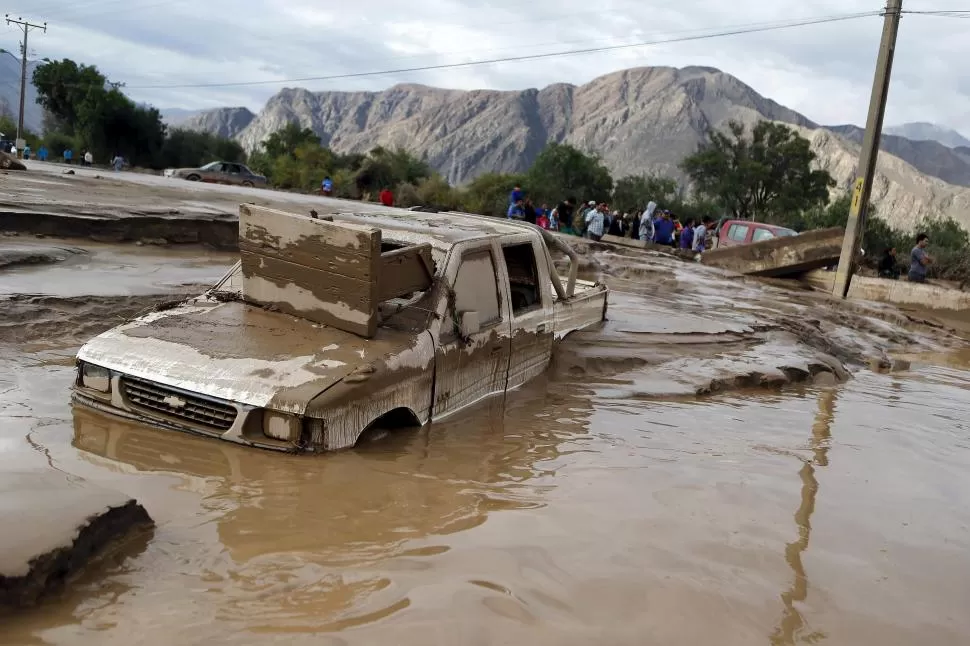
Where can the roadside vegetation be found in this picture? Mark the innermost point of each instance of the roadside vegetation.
(84, 111)
(765, 173)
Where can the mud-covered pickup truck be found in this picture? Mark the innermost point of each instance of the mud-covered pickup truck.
(335, 324)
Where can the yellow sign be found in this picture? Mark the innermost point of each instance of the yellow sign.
(857, 196)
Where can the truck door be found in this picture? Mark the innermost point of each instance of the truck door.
(472, 368)
(530, 290)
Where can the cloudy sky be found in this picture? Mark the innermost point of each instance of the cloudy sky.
(823, 71)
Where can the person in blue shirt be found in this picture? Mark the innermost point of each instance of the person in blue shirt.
(516, 210)
(516, 195)
(663, 228)
(326, 186)
(687, 235)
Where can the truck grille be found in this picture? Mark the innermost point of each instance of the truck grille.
(199, 411)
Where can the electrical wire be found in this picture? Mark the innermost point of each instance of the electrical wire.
(525, 57)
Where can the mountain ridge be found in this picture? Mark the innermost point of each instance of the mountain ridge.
(641, 120)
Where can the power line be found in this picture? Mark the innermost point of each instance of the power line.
(527, 57)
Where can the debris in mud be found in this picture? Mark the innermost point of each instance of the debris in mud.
(9, 162)
(224, 296)
(55, 527)
(167, 305)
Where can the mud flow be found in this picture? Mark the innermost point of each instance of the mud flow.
(724, 461)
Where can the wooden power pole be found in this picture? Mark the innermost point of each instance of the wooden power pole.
(862, 189)
(26, 27)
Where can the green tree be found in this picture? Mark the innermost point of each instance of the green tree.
(488, 194)
(68, 91)
(767, 175)
(385, 168)
(97, 115)
(632, 193)
(188, 148)
(290, 137)
(561, 171)
(9, 128)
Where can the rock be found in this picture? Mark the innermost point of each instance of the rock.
(54, 525)
(68, 172)
(9, 162)
(160, 242)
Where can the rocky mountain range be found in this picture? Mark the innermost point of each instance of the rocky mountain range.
(642, 120)
(922, 131)
(223, 122)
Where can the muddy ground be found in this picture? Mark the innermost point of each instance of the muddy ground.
(725, 460)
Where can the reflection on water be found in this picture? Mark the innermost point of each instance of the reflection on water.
(792, 623)
(295, 525)
(555, 517)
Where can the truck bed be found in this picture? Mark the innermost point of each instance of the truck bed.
(586, 307)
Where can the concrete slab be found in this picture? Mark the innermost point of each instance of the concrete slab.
(52, 526)
(897, 292)
(781, 256)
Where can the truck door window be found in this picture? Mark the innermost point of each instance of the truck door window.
(520, 259)
(476, 290)
(762, 234)
(738, 232)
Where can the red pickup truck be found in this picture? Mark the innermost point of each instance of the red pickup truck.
(730, 233)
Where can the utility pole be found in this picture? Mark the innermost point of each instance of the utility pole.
(26, 26)
(862, 190)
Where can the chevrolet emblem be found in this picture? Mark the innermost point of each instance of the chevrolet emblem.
(174, 402)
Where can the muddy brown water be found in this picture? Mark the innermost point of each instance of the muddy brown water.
(606, 502)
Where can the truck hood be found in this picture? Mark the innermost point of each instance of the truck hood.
(238, 352)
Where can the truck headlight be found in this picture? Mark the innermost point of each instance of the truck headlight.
(95, 377)
(281, 426)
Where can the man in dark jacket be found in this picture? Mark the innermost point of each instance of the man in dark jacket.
(529, 210)
(564, 213)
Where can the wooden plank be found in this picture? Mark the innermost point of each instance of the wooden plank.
(406, 270)
(309, 293)
(324, 271)
(350, 265)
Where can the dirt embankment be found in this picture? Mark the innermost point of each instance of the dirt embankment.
(221, 234)
(31, 318)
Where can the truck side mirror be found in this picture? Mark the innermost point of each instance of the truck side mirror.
(468, 324)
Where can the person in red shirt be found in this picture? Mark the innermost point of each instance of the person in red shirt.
(542, 221)
(387, 197)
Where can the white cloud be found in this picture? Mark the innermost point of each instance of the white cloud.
(823, 71)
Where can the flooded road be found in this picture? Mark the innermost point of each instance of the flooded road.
(700, 470)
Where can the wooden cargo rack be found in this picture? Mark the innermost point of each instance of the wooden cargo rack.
(330, 272)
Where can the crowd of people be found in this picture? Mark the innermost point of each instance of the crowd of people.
(594, 220)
